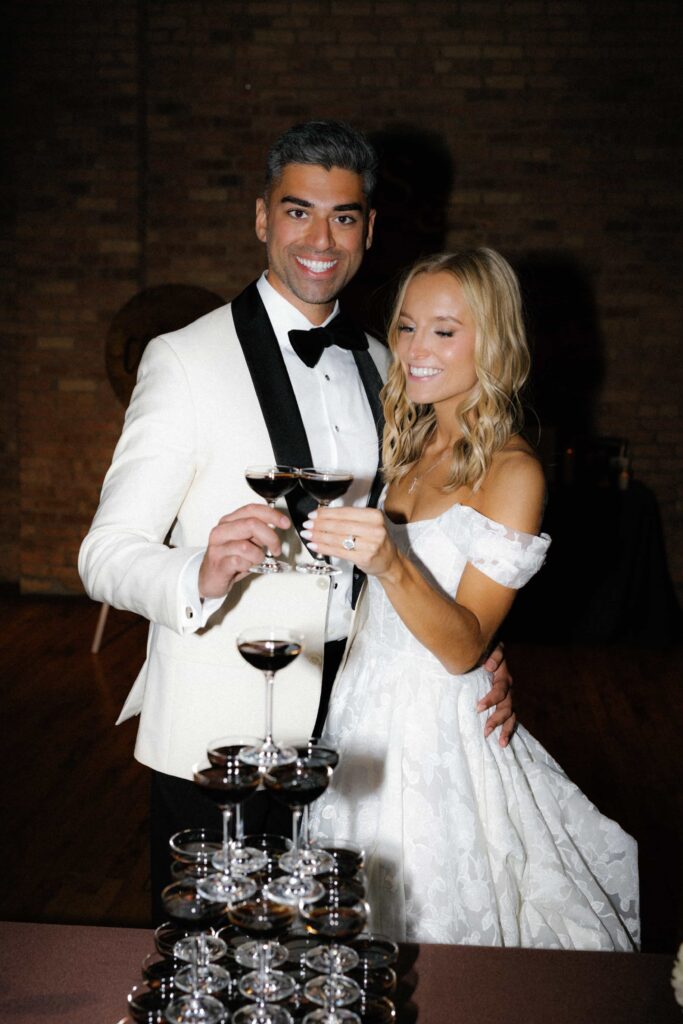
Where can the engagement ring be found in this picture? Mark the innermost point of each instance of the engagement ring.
(349, 543)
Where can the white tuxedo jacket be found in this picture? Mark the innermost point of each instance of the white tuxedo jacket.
(210, 399)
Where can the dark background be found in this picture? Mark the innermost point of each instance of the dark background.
(548, 129)
(137, 132)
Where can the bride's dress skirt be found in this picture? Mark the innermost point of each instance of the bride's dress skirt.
(465, 842)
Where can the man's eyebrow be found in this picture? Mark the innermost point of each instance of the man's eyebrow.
(296, 201)
(307, 204)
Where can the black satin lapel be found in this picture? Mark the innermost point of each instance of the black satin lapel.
(275, 393)
(372, 382)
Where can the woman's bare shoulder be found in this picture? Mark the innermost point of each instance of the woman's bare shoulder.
(517, 457)
(514, 489)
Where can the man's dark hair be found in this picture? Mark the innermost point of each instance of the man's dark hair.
(327, 144)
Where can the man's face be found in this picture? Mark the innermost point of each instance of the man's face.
(316, 226)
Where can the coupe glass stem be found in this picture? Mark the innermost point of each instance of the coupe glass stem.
(263, 949)
(227, 815)
(203, 962)
(335, 960)
(270, 679)
(194, 967)
(305, 836)
(270, 557)
(296, 831)
(316, 554)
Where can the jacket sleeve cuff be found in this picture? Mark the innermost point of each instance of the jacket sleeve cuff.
(194, 610)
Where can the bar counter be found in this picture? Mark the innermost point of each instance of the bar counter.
(72, 974)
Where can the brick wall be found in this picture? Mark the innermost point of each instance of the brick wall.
(545, 128)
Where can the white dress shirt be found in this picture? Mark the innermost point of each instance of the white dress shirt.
(341, 434)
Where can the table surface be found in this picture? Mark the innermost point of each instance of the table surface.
(81, 975)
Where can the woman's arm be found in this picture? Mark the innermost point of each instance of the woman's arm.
(457, 631)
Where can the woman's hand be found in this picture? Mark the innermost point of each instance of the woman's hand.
(373, 551)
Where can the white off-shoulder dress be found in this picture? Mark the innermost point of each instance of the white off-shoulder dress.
(465, 842)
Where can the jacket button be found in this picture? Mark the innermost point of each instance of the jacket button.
(189, 612)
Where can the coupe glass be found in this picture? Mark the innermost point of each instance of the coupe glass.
(271, 483)
(159, 971)
(334, 924)
(375, 951)
(269, 649)
(187, 908)
(376, 1009)
(227, 785)
(296, 785)
(313, 752)
(192, 851)
(324, 485)
(271, 847)
(346, 881)
(264, 921)
(147, 1004)
(244, 859)
(166, 936)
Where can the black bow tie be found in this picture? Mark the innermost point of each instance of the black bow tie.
(309, 345)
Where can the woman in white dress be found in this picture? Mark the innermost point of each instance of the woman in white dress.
(467, 840)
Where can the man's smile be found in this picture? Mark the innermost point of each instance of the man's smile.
(316, 266)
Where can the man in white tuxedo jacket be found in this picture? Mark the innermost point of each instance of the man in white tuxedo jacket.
(177, 530)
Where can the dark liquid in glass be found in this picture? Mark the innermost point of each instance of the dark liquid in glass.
(375, 951)
(377, 1011)
(262, 920)
(149, 1007)
(295, 786)
(326, 490)
(159, 974)
(220, 756)
(346, 862)
(269, 655)
(335, 922)
(187, 909)
(166, 936)
(226, 787)
(381, 982)
(318, 755)
(272, 486)
(342, 892)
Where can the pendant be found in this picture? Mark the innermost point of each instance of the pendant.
(413, 484)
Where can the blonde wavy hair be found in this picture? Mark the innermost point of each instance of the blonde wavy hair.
(492, 412)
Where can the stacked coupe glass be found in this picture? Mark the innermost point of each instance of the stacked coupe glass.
(267, 929)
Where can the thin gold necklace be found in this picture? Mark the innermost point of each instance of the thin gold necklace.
(420, 476)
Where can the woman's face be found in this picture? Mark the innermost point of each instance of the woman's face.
(435, 341)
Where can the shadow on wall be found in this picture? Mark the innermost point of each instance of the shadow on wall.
(414, 184)
(567, 358)
(606, 577)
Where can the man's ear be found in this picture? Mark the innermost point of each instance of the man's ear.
(261, 224)
(370, 229)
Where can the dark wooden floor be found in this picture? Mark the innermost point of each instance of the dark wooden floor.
(75, 801)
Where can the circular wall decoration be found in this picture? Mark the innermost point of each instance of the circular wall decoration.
(153, 311)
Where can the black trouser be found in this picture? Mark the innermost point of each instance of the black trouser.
(177, 804)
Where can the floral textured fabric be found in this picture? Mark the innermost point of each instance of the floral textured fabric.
(465, 842)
